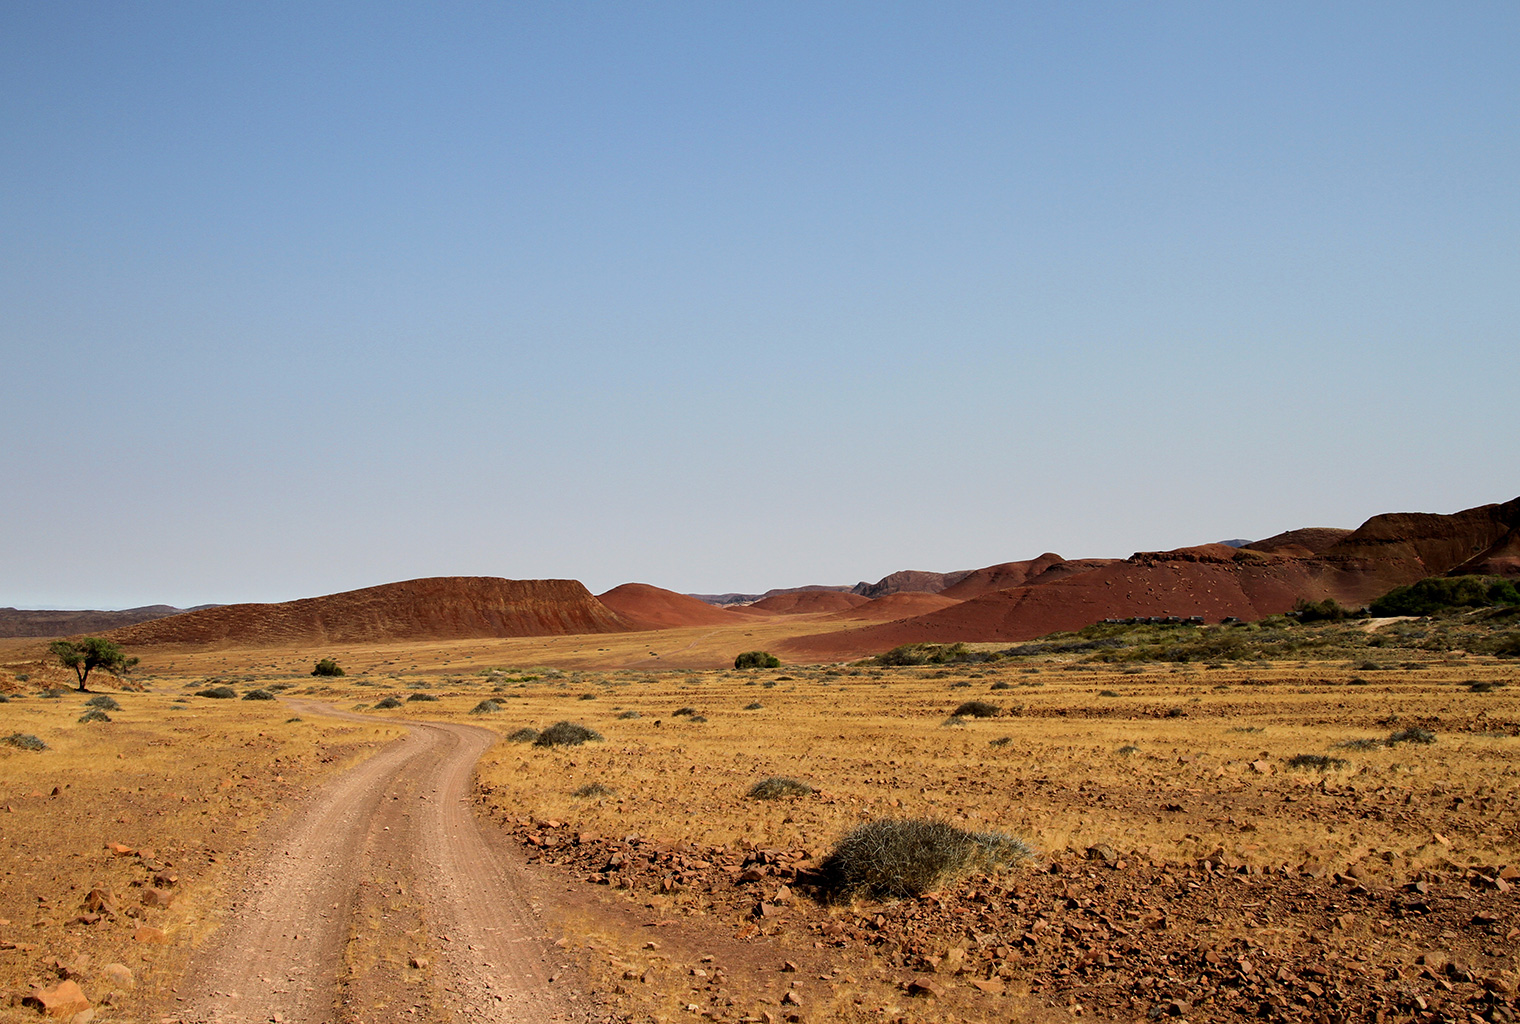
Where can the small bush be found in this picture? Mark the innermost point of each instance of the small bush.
(1361, 744)
(757, 659)
(630, 714)
(911, 856)
(778, 786)
(485, 707)
(327, 667)
(388, 702)
(523, 735)
(421, 696)
(1001, 741)
(697, 718)
(587, 696)
(754, 706)
(52, 694)
(1484, 686)
(1319, 611)
(94, 715)
(566, 734)
(1413, 734)
(4, 699)
(26, 741)
(1438, 593)
(1175, 713)
(1127, 750)
(1001, 684)
(104, 702)
(1107, 693)
(217, 693)
(1317, 761)
(595, 789)
(976, 709)
(680, 712)
(258, 695)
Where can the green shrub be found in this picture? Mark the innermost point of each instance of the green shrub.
(217, 693)
(485, 707)
(104, 702)
(523, 735)
(931, 654)
(1439, 593)
(566, 734)
(753, 706)
(327, 667)
(757, 659)
(258, 695)
(976, 709)
(26, 741)
(388, 702)
(778, 786)
(1414, 734)
(421, 696)
(1319, 611)
(907, 857)
(94, 715)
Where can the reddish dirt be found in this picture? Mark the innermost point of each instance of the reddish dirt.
(1502, 559)
(440, 608)
(891, 607)
(805, 602)
(1001, 577)
(653, 608)
(402, 819)
(1310, 540)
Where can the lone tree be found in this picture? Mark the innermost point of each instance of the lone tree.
(89, 654)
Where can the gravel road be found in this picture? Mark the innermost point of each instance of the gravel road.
(380, 899)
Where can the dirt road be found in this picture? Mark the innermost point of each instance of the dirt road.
(381, 900)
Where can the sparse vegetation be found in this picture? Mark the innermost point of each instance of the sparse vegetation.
(1127, 750)
(594, 789)
(1443, 593)
(683, 712)
(976, 709)
(629, 714)
(753, 706)
(258, 695)
(932, 654)
(421, 696)
(523, 735)
(778, 786)
(89, 654)
(94, 715)
(104, 702)
(567, 734)
(1414, 734)
(217, 693)
(485, 707)
(327, 667)
(757, 659)
(1319, 762)
(908, 857)
(388, 703)
(25, 741)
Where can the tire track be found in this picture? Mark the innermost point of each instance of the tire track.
(280, 957)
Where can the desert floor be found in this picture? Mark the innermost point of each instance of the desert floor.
(1182, 869)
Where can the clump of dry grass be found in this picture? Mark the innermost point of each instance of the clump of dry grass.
(217, 692)
(910, 856)
(778, 786)
(421, 696)
(258, 695)
(388, 702)
(629, 714)
(1319, 762)
(1414, 734)
(485, 707)
(104, 702)
(976, 709)
(523, 735)
(25, 741)
(567, 734)
(94, 715)
(594, 789)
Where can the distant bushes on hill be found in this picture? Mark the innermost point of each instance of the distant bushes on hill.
(1440, 593)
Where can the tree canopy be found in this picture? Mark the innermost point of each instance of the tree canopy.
(89, 654)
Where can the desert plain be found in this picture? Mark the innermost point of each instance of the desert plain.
(1226, 839)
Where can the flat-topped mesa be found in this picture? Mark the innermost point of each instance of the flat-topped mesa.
(436, 608)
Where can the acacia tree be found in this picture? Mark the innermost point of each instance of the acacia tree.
(89, 654)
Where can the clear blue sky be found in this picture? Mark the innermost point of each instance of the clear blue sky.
(296, 298)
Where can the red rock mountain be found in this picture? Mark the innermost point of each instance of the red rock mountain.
(803, 602)
(650, 607)
(439, 608)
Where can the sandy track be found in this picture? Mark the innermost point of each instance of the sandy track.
(281, 956)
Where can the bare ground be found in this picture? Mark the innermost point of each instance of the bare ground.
(380, 900)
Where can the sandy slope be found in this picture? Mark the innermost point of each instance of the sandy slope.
(404, 816)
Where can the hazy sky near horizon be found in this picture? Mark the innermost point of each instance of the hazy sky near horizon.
(297, 298)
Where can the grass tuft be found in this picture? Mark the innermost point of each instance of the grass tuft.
(258, 695)
(1319, 762)
(388, 702)
(910, 856)
(217, 693)
(485, 707)
(594, 789)
(523, 735)
(976, 709)
(1414, 734)
(94, 715)
(566, 734)
(25, 741)
(104, 702)
(778, 786)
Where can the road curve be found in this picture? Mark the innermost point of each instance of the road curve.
(280, 957)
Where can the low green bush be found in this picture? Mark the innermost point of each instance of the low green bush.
(94, 715)
(1439, 593)
(327, 667)
(104, 702)
(217, 693)
(976, 709)
(567, 734)
(757, 659)
(25, 741)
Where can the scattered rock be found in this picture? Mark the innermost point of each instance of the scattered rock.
(1102, 851)
(150, 936)
(119, 975)
(155, 897)
(926, 987)
(62, 1000)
